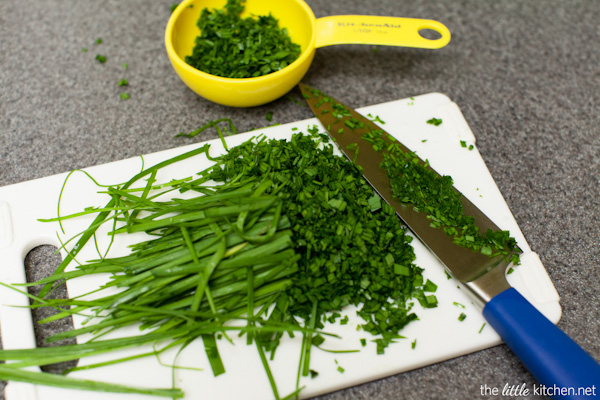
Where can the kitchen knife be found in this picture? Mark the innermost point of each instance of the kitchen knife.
(553, 358)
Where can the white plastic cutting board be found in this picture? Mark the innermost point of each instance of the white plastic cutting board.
(438, 333)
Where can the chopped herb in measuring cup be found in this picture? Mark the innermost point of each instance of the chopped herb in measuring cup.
(235, 47)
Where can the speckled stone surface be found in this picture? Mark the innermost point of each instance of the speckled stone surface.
(526, 75)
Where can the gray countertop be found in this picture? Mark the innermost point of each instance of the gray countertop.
(526, 75)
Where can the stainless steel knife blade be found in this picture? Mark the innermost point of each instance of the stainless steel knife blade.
(483, 274)
(551, 356)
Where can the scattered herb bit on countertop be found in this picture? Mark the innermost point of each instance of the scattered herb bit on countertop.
(462, 317)
(435, 121)
(100, 58)
(269, 116)
(235, 47)
(125, 96)
(123, 82)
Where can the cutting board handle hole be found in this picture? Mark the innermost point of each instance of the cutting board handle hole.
(40, 262)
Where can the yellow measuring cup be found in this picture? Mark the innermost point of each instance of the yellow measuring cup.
(304, 29)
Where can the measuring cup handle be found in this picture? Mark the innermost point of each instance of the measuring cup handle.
(377, 30)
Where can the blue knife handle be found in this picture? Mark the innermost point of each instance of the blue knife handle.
(551, 356)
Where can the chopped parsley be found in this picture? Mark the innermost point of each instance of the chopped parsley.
(435, 121)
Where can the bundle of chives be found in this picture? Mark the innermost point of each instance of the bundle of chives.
(212, 259)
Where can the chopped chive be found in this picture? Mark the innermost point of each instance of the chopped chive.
(431, 300)
(235, 47)
(231, 253)
(48, 379)
(414, 182)
(434, 121)
(429, 286)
